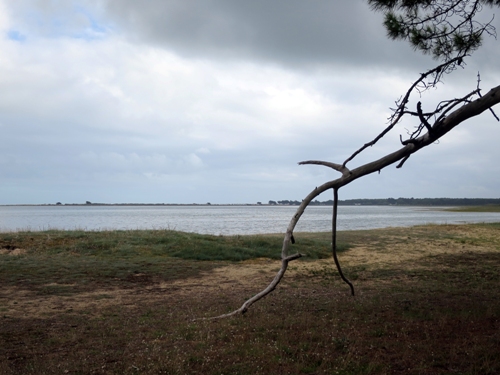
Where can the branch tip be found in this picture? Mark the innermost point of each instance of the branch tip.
(338, 167)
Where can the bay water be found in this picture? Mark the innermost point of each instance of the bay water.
(226, 220)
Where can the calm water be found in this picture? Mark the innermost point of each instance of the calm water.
(227, 220)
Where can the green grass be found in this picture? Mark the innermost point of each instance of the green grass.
(85, 258)
(152, 243)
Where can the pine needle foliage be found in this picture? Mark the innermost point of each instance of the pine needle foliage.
(445, 29)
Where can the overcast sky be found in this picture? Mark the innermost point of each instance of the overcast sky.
(195, 101)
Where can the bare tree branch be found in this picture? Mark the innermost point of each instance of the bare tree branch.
(443, 109)
(422, 117)
(244, 308)
(400, 110)
(338, 167)
(334, 239)
(441, 127)
(479, 93)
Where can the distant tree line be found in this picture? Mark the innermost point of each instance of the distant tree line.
(398, 202)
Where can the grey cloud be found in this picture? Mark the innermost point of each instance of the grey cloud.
(286, 32)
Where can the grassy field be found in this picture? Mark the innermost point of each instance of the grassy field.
(123, 302)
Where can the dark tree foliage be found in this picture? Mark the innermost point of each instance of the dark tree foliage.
(446, 29)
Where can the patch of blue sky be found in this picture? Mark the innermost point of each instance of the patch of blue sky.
(75, 22)
(16, 35)
(90, 30)
(88, 34)
(94, 29)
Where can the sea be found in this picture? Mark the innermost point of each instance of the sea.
(226, 220)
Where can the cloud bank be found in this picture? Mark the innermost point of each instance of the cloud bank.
(216, 101)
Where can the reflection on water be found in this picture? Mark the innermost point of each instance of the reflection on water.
(227, 220)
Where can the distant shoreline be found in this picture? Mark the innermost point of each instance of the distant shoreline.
(419, 202)
(134, 204)
(126, 204)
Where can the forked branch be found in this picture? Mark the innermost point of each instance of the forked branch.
(419, 85)
(440, 127)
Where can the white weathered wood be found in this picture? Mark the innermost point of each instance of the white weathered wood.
(439, 129)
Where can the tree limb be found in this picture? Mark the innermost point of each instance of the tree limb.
(441, 127)
(334, 239)
(423, 120)
(244, 308)
(338, 167)
(400, 111)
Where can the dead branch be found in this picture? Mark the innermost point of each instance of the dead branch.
(423, 120)
(479, 93)
(340, 168)
(244, 308)
(334, 240)
(443, 108)
(398, 113)
(441, 127)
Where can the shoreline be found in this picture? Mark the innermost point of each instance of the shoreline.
(388, 202)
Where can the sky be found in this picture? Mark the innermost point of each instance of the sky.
(196, 101)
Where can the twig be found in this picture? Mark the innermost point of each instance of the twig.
(338, 167)
(400, 111)
(401, 163)
(423, 120)
(479, 93)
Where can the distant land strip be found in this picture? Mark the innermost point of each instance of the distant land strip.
(438, 202)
